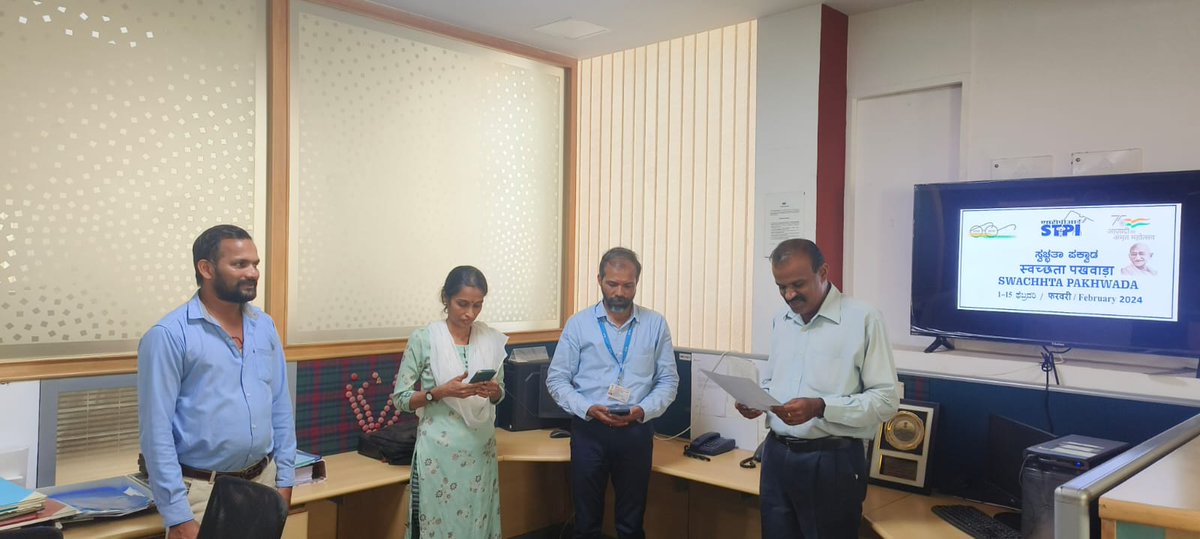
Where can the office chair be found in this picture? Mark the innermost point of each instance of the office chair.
(243, 509)
(32, 532)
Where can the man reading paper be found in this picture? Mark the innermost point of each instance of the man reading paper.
(832, 366)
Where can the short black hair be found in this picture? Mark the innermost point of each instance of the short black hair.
(208, 245)
(788, 248)
(462, 277)
(620, 253)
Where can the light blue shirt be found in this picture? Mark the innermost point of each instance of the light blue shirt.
(843, 356)
(205, 403)
(583, 369)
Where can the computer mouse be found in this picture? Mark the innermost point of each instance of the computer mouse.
(560, 433)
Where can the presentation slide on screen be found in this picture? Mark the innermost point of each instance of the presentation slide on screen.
(1103, 261)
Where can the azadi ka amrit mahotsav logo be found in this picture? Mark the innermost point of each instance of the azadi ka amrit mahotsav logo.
(1135, 223)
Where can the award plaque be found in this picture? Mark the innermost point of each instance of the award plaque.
(900, 454)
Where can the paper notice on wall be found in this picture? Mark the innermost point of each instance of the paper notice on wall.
(783, 215)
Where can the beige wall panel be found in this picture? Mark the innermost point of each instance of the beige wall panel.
(740, 259)
(674, 186)
(728, 149)
(603, 222)
(615, 215)
(637, 149)
(709, 190)
(749, 189)
(690, 211)
(675, 177)
(661, 183)
(583, 210)
(628, 183)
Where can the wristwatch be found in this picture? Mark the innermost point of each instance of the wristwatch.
(429, 395)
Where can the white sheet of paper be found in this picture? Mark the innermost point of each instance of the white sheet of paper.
(743, 390)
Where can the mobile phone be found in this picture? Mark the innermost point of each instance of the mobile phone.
(483, 375)
(618, 410)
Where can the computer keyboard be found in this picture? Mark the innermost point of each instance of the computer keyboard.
(975, 523)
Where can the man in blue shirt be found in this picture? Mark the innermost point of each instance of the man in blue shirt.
(831, 365)
(614, 370)
(212, 387)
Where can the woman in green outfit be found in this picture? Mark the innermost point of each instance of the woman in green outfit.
(455, 483)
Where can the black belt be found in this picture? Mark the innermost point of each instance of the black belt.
(254, 470)
(806, 445)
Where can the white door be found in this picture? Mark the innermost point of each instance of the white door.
(897, 141)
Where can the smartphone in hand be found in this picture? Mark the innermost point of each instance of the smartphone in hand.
(483, 375)
(618, 410)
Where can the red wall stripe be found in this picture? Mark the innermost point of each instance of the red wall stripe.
(831, 140)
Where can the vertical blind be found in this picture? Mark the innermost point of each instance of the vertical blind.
(666, 168)
(97, 434)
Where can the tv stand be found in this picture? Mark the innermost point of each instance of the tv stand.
(941, 342)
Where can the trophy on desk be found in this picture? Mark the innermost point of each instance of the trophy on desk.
(900, 454)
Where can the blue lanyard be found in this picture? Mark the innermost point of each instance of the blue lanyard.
(624, 353)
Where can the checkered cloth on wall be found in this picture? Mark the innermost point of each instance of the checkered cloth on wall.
(325, 423)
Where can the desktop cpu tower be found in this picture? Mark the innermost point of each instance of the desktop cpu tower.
(1037, 499)
(1050, 464)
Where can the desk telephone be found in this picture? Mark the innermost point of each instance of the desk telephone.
(711, 444)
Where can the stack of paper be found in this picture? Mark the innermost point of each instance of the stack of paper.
(16, 501)
(20, 506)
(310, 468)
(52, 510)
(112, 497)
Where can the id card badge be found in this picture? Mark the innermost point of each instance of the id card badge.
(619, 393)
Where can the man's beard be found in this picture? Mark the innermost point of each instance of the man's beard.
(617, 305)
(235, 294)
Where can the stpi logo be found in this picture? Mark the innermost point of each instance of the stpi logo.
(1070, 225)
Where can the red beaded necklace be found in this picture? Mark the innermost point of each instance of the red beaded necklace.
(362, 410)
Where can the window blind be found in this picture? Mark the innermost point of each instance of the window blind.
(666, 168)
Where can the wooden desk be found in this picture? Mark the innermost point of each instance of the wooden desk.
(715, 498)
(890, 513)
(1165, 495)
(349, 473)
(895, 514)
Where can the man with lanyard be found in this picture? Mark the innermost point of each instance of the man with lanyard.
(614, 370)
(212, 387)
(831, 365)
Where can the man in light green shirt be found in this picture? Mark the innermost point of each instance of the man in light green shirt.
(831, 365)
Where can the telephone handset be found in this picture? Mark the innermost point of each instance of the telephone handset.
(711, 444)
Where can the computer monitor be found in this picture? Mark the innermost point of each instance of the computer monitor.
(547, 407)
(1006, 443)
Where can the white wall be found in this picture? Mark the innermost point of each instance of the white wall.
(1039, 77)
(19, 430)
(900, 139)
(789, 51)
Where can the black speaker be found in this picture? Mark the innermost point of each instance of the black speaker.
(1037, 500)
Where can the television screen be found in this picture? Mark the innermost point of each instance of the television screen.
(1107, 262)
